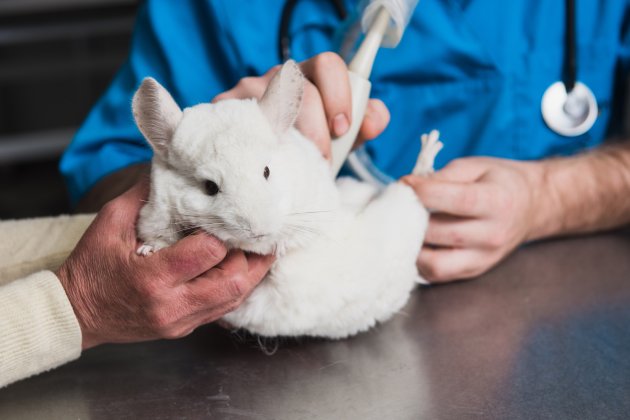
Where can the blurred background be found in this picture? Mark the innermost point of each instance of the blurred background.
(56, 59)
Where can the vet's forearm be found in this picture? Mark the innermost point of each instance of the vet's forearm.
(584, 193)
(112, 186)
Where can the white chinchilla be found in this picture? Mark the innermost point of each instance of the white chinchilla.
(240, 171)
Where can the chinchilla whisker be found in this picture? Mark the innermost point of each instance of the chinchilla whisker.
(302, 223)
(211, 226)
(177, 209)
(310, 217)
(185, 228)
(192, 228)
(306, 219)
(186, 218)
(314, 224)
(303, 229)
(168, 228)
(303, 226)
(197, 215)
(160, 204)
(189, 224)
(297, 213)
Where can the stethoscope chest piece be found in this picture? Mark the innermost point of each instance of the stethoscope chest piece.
(569, 114)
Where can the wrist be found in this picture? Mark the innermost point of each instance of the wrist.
(544, 207)
(88, 339)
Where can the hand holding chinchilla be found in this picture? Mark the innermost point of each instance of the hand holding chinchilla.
(239, 170)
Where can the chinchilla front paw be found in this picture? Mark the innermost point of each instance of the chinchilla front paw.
(149, 248)
(145, 249)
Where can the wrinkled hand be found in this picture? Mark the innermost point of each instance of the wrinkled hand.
(327, 107)
(119, 296)
(482, 208)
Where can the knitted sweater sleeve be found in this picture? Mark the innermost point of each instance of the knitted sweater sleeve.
(38, 328)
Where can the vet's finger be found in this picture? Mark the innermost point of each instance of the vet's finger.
(451, 231)
(376, 120)
(440, 265)
(329, 74)
(248, 87)
(311, 121)
(188, 258)
(462, 170)
(455, 198)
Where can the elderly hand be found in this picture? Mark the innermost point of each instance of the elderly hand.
(119, 296)
(327, 106)
(482, 208)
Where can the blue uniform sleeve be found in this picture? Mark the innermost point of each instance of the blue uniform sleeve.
(624, 52)
(183, 46)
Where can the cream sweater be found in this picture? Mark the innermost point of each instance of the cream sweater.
(38, 328)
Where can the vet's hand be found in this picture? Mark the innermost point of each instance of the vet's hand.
(119, 296)
(326, 108)
(483, 208)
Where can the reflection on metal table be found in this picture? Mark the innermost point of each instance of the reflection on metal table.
(544, 335)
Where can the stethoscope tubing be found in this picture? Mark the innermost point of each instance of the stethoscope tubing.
(284, 37)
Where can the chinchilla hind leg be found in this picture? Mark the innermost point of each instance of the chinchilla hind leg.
(431, 146)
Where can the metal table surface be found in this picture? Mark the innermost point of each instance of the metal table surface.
(546, 335)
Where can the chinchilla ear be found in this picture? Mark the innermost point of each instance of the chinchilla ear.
(156, 114)
(282, 99)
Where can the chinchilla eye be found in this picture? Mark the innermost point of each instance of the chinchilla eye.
(266, 172)
(211, 187)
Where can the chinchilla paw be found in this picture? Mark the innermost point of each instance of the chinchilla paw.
(145, 250)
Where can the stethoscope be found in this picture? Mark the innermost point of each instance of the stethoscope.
(568, 107)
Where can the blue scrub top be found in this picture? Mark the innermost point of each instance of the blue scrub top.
(475, 70)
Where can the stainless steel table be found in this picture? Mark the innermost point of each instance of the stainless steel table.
(546, 335)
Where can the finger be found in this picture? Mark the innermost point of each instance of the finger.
(462, 170)
(136, 196)
(234, 262)
(222, 288)
(311, 121)
(329, 74)
(218, 291)
(189, 257)
(202, 313)
(129, 203)
(376, 120)
(132, 202)
(121, 213)
(455, 198)
(227, 285)
(451, 231)
(248, 87)
(193, 321)
(440, 265)
(259, 265)
(199, 297)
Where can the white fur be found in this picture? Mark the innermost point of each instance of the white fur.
(346, 252)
